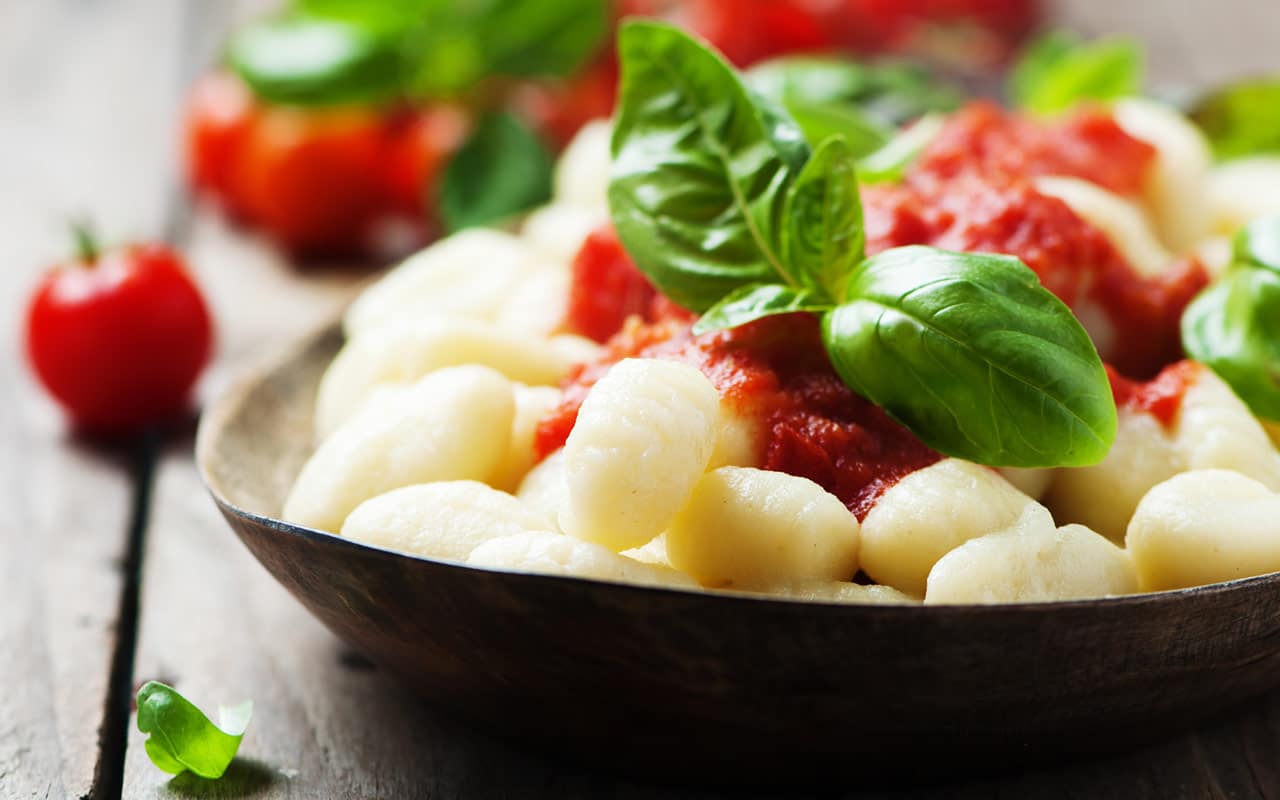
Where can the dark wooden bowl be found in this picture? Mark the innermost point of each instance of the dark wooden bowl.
(726, 687)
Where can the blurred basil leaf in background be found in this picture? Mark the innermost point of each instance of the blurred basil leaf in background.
(1059, 70)
(1241, 119)
(503, 169)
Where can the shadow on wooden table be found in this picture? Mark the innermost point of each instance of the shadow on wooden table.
(245, 777)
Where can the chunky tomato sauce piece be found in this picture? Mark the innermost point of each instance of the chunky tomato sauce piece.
(606, 287)
(776, 371)
(972, 191)
(1161, 397)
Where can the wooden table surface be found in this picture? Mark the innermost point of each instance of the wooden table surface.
(115, 568)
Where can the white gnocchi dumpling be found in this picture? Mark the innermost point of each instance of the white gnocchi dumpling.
(538, 302)
(557, 231)
(932, 511)
(445, 519)
(406, 351)
(745, 527)
(644, 435)
(1202, 527)
(532, 404)
(582, 173)
(844, 592)
(543, 487)
(1032, 562)
(1103, 496)
(454, 424)
(556, 554)
(1122, 222)
(1176, 184)
(1216, 430)
(1242, 190)
(465, 275)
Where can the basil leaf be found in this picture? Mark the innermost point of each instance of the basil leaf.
(701, 169)
(1258, 244)
(1059, 71)
(380, 14)
(182, 737)
(1242, 119)
(892, 161)
(459, 44)
(823, 240)
(756, 301)
(887, 94)
(311, 61)
(503, 169)
(975, 357)
(821, 121)
(1233, 327)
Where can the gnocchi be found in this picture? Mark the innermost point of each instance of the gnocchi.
(454, 424)
(931, 512)
(644, 435)
(556, 554)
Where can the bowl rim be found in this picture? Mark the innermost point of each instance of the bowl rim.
(234, 396)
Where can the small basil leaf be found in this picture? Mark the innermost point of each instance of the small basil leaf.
(1059, 71)
(892, 161)
(1258, 244)
(756, 301)
(823, 240)
(884, 94)
(1242, 119)
(701, 169)
(1233, 327)
(501, 170)
(182, 737)
(379, 14)
(311, 61)
(975, 357)
(821, 121)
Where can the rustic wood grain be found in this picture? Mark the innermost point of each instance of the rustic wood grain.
(69, 145)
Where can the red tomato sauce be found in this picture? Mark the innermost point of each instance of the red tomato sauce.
(774, 370)
(972, 191)
(1161, 397)
(606, 287)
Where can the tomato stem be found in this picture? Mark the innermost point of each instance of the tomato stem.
(87, 249)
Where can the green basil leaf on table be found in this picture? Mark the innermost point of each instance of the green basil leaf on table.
(182, 738)
(503, 169)
(1058, 71)
(1258, 244)
(701, 169)
(1242, 119)
(892, 161)
(1233, 327)
(822, 238)
(756, 301)
(311, 61)
(975, 357)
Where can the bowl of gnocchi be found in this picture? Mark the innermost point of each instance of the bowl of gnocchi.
(763, 446)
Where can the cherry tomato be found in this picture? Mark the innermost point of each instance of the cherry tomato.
(220, 113)
(119, 338)
(419, 146)
(312, 178)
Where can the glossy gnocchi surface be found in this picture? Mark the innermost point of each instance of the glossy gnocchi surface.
(427, 423)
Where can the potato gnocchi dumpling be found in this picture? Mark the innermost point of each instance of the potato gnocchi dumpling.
(454, 424)
(582, 174)
(745, 527)
(1242, 190)
(1205, 526)
(444, 519)
(404, 352)
(543, 487)
(1032, 562)
(644, 435)
(930, 512)
(557, 554)
(532, 404)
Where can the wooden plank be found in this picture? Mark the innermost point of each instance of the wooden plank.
(327, 724)
(71, 147)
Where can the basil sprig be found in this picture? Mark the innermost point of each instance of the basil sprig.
(1241, 119)
(1234, 325)
(722, 206)
(182, 738)
(329, 52)
(501, 170)
(1059, 70)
